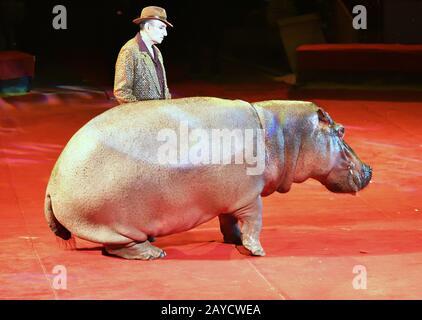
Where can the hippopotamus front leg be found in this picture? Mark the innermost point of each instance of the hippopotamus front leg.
(134, 250)
(250, 218)
(230, 229)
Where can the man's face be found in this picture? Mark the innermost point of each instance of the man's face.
(156, 30)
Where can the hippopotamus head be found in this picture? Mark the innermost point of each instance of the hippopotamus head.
(339, 169)
(304, 142)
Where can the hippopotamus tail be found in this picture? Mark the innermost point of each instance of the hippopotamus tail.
(55, 226)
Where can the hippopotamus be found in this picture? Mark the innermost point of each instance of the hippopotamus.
(123, 179)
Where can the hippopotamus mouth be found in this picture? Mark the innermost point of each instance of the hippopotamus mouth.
(357, 181)
(354, 175)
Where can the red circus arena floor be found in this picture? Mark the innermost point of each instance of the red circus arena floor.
(313, 238)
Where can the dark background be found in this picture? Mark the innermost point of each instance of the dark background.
(206, 33)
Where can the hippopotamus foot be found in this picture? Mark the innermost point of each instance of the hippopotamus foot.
(230, 229)
(250, 218)
(253, 247)
(135, 251)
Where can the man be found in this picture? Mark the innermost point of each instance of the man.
(140, 73)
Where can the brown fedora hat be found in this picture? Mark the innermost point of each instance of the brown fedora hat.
(153, 13)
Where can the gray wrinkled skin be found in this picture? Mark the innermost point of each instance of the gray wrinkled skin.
(107, 186)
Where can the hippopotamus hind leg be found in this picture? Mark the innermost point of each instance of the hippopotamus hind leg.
(230, 229)
(250, 218)
(134, 251)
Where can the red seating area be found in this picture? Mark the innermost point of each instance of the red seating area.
(15, 64)
(340, 62)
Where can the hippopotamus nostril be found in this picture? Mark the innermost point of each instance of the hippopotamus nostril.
(367, 170)
(366, 175)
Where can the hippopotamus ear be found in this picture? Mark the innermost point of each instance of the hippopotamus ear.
(337, 128)
(324, 117)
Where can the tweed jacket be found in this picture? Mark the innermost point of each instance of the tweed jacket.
(136, 78)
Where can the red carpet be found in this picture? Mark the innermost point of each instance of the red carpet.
(313, 238)
(15, 64)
